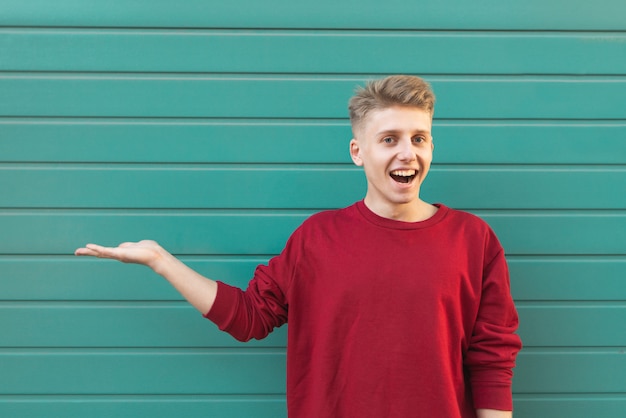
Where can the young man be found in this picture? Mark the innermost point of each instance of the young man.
(396, 307)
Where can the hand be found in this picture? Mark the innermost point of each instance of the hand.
(143, 252)
(493, 413)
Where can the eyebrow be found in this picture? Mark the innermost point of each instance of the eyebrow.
(395, 132)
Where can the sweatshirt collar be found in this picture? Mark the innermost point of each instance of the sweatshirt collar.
(394, 224)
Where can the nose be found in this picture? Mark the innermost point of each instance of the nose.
(406, 151)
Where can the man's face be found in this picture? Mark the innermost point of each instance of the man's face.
(395, 148)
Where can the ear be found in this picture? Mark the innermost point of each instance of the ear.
(355, 152)
(432, 144)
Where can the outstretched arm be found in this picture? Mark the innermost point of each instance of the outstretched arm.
(197, 289)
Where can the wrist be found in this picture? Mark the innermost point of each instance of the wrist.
(161, 261)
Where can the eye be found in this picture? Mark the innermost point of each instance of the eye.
(419, 139)
(388, 140)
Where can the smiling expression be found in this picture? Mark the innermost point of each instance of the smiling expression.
(395, 148)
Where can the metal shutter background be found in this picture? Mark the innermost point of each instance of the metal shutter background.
(217, 128)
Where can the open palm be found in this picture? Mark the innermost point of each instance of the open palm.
(143, 252)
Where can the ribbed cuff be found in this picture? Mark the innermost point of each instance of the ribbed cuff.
(221, 311)
(493, 396)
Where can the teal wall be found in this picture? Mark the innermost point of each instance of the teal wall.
(216, 129)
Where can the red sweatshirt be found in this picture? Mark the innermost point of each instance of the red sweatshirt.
(386, 318)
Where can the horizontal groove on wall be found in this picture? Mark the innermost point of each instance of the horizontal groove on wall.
(87, 372)
(302, 142)
(250, 187)
(140, 324)
(530, 15)
(247, 97)
(577, 232)
(284, 51)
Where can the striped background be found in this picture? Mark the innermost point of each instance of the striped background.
(216, 129)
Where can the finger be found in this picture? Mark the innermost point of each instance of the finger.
(86, 251)
(94, 250)
(98, 249)
(82, 251)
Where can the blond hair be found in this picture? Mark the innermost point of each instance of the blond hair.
(395, 90)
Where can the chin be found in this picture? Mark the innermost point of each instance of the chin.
(408, 197)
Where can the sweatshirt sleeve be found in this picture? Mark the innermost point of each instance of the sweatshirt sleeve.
(494, 345)
(263, 306)
(248, 314)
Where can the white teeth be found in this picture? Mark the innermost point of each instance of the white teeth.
(403, 173)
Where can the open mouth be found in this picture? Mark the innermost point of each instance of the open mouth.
(403, 176)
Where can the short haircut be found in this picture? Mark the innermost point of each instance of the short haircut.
(395, 90)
